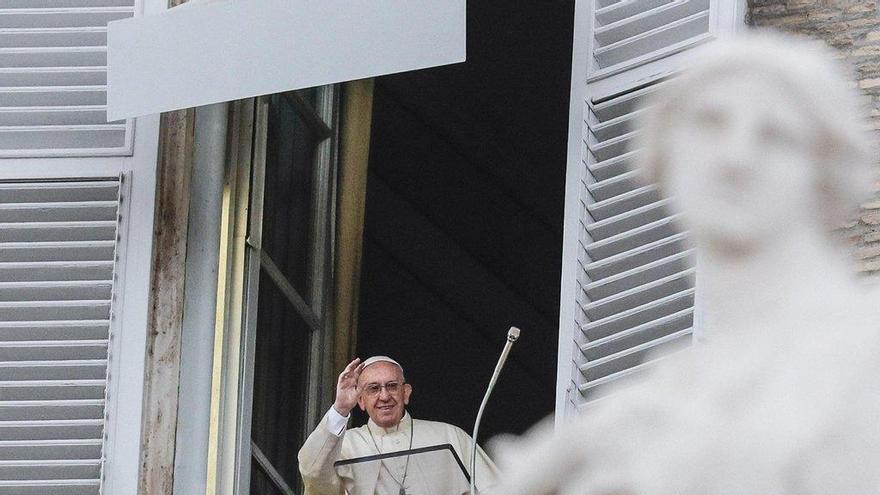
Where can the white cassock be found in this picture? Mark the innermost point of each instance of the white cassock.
(427, 474)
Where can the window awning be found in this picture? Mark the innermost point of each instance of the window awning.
(231, 49)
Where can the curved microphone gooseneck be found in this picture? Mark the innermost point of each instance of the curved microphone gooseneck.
(512, 335)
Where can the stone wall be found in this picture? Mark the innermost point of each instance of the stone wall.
(853, 27)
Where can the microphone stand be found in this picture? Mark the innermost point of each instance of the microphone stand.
(512, 335)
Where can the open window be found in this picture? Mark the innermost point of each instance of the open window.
(280, 331)
(290, 259)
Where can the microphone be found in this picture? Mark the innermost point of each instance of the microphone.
(512, 335)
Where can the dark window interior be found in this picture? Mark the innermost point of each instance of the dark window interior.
(464, 215)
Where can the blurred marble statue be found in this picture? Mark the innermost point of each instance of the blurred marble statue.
(762, 147)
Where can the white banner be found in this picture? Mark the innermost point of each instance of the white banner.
(226, 50)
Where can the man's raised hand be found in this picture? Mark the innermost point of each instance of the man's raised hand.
(347, 392)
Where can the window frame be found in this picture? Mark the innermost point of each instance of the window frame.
(318, 314)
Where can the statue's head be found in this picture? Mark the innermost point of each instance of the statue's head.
(761, 136)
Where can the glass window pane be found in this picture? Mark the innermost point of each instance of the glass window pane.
(310, 96)
(260, 482)
(287, 207)
(280, 380)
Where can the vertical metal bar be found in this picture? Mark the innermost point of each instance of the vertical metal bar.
(322, 179)
(249, 341)
(330, 113)
(200, 299)
(245, 406)
(235, 333)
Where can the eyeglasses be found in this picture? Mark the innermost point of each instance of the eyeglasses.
(390, 387)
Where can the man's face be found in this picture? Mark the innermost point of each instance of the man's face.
(384, 407)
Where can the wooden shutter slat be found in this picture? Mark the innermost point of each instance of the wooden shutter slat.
(634, 356)
(614, 186)
(50, 469)
(615, 342)
(612, 147)
(623, 203)
(51, 409)
(33, 139)
(591, 387)
(64, 4)
(633, 239)
(642, 48)
(56, 290)
(62, 17)
(613, 166)
(629, 351)
(629, 219)
(57, 212)
(57, 231)
(639, 276)
(65, 136)
(57, 191)
(14, 271)
(619, 322)
(53, 96)
(53, 310)
(45, 350)
(52, 390)
(56, 251)
(624, 104)
(62, 77)
(52, 429)
(55, 330)
(93, 36)
(640, 255)
(52, 487)
(78, 369)
(42, 344)
(50, 449)
(622, 10)
(651, 19)
(618, 127)
(54, 116)
(638, 296)
(54, 56)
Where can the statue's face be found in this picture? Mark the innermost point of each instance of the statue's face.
(741, 162)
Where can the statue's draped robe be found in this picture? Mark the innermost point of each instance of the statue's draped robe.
(786, 407)
(428, 474)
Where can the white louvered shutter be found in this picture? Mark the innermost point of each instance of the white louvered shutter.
(57, 258)
(632, 269)
(53, 77)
